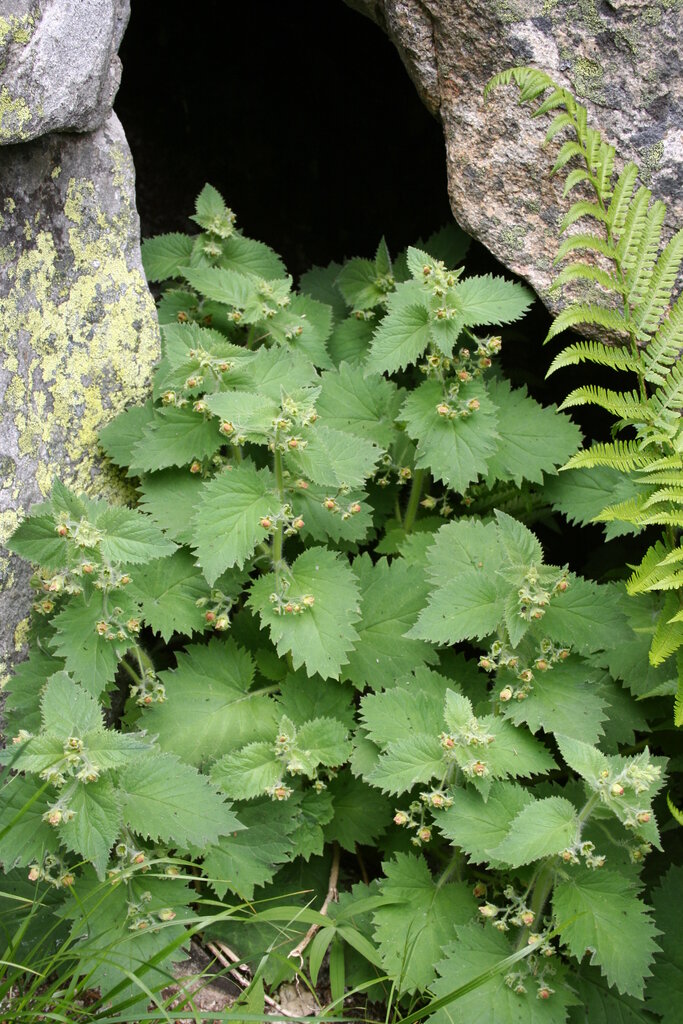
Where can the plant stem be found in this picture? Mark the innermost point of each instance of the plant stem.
(452, 868)
(279, 533)
(413, 500)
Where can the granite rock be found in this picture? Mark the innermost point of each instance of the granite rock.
(59, 69)
(622, 58)
(79, 328)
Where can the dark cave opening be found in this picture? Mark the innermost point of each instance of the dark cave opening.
(304, 118)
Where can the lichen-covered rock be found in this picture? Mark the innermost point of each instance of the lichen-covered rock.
(59, 65)
(623, 58)
(79, 327)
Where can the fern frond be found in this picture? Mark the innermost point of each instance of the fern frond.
(558, 123)
(621, 404)
(585, 272)
(594, 352)
(530, 81)
(673, 494)
(585, 241)
(621, 198)
(634, 228)
(583, 313)
(622, 455)
(626, 511)
(668, 636)
(650, 571)
(678, 720)
(603, 168)
(669, 398)
(574, 178)
(678, 711)
(674, 557)
(581, 208)
(639, 261)
(656, 298)
(568, 150)
(665, 348)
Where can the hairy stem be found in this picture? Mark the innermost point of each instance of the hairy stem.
(279, 533)
(413, 500)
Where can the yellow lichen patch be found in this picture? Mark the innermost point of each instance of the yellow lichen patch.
(84, 323)
(14, 114)
(21, 634)
(56, 171)
(17, 28)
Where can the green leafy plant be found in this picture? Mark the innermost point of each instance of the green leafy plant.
(302, 673)
(627, 280)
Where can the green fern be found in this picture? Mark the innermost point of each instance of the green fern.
(629, 281)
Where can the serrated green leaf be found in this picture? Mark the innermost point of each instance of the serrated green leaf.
(455, 451)
(170, 498)
(412, 931)
(358, 283)
(358, 404)
(413, 706)
(400, 340)
(392, 597)
(22, 704)
(212, 214)
(88, 656)
(542, 828)
(320, 283)
(587, 617)
(164, 799)
(249, 256)
(582, 494)
(601, 1004)
(174, 438)
(477, 826)
(250, 414)
(209, 699)
(665, 988)
(120, 436)
(361, 814)
(491, 300)
(68, 709)
(95, 825)
(469, 606)
(243, 860)
(321, 524)
(168, 590)
(333, 458)
(112, 954)
(36, 540)
(302, 699)
(477, 950)
(321, 636)
(350, 341)
(227, 524)
(130, 536)
(599, 911)
(26, 836)
(534, 439)
(562, 700)
(252, 771)
(163, 256)
(406, 762)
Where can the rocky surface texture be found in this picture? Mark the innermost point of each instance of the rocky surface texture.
(622, 58)
(78, 323)
(60, 69)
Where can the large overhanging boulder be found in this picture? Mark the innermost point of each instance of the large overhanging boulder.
(78, 322)
(622, 58)
(60, 69)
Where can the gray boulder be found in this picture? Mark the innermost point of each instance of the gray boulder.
(60, 69)
(622, 58)
(78, 323)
